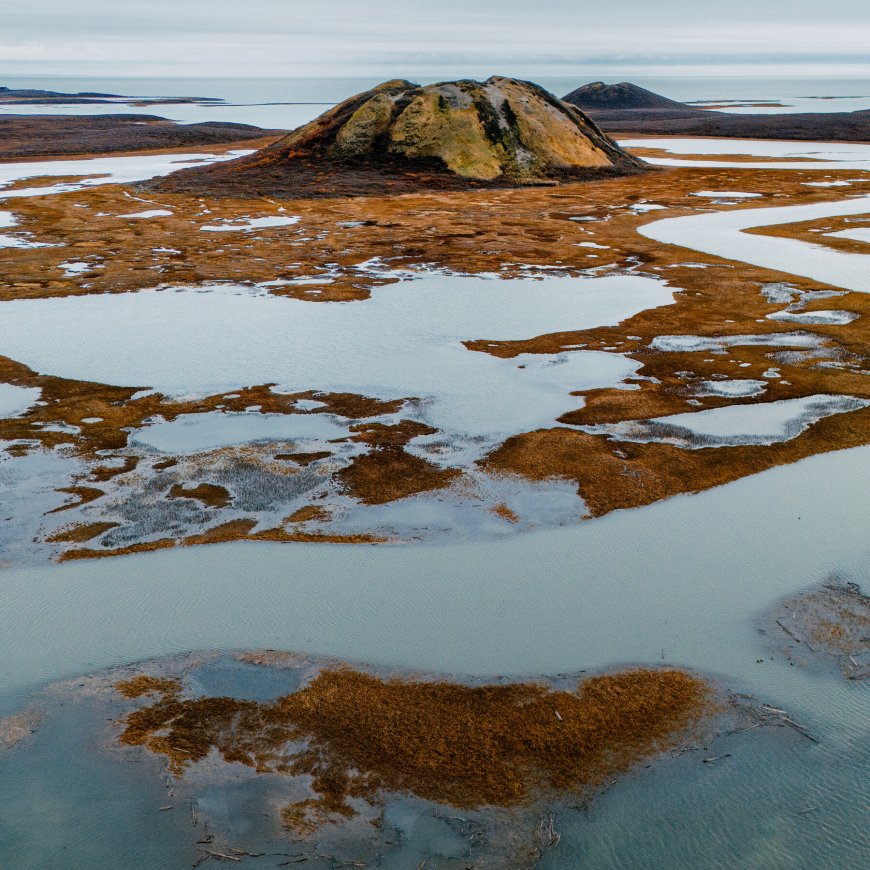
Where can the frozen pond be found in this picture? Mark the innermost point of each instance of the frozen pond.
(191, 433)
(733, 425)
(721, 234)
(860, 234)
(403, 342)
(105, 170)
(15, 400)
(774, 154)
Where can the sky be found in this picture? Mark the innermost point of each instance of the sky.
(469, 37)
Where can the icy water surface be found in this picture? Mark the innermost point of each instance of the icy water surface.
(406, 341)
(693, 575)
(288, 102)
(102, 170)
(721, 234)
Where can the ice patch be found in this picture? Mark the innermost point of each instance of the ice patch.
(193, 433)
(691, 343)
(831, 317)
(828, 183)
(16, 400)
(75, 267)
(725, 194)
(732, 425)
(644, 207)
(150, 213)
(247, 224)
(731, 388)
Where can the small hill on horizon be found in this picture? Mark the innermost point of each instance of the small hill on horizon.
(625, 95)
(400, 136)
(626, 109)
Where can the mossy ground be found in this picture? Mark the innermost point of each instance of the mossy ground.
(357, 735)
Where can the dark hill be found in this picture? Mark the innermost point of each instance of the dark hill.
(599, 96)
(626, 109)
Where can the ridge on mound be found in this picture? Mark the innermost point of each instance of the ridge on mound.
(625, 95)
(400, 136)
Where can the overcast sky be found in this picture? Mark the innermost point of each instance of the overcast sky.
(386, 37)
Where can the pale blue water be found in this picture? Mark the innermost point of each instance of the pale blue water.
(691, 576)
(264, 101)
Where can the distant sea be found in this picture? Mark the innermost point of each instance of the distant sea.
(288, 102)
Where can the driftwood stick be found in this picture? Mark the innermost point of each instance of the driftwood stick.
(799, 728)
(221, 855)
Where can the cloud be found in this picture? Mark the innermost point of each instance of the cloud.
(289, 37)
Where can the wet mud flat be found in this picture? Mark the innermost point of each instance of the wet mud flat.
(37, 136)
(686, 121)
(824, 628)
(273, 758)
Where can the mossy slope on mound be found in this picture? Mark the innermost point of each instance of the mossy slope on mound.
(501, 131)
(476, 130)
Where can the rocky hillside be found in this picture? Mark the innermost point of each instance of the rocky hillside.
(400, 136)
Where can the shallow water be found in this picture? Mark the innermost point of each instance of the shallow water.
(862, 234)
(106, 170)
(691, 573)
(721, 234)
(405, 341)
(692, 577)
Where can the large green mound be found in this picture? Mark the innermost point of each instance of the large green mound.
(451, 134)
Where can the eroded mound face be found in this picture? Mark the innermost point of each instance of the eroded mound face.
(501, 131)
